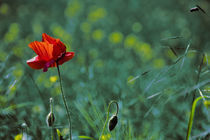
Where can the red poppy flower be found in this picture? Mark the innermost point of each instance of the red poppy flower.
(49, 52)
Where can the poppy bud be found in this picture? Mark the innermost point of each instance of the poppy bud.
(112, 122)
(50, 119)
(24, 125)
(194, 9)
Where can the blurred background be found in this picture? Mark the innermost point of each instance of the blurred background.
(148, 55)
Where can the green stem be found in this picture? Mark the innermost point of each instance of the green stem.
(51, 110)
(107, 117)
(192, 116)
(64, 101)
(24, 128)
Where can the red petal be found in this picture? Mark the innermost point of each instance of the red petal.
(42, 49)
(68, 56)
(58, 50)
(58, 47)
(36, 63)
(49, 39)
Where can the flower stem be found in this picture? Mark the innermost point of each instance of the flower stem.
(192, 116)
(64, 101)
(107, 117)
(51, 117)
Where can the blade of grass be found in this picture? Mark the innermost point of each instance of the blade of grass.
(188, 46)
(86, 115)
(199, 85)
(86, 137)
(39, 92)
(138, 76)
(198, 76)
(201, 134)
(96, 111)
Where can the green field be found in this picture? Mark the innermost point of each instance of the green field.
(152, 57)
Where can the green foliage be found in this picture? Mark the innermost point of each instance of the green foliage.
(149, 56)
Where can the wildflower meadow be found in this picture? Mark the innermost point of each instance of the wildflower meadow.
(104, 70)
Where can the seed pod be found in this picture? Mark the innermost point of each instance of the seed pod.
(24, 126)
(197, 8)
(112, 122)
(50, 119)
(194, 9)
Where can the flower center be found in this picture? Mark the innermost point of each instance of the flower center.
(47, 65)
(59, 58)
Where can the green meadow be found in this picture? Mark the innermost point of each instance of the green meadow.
(152, 58)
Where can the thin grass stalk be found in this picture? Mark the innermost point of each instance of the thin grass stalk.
(199, 72)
